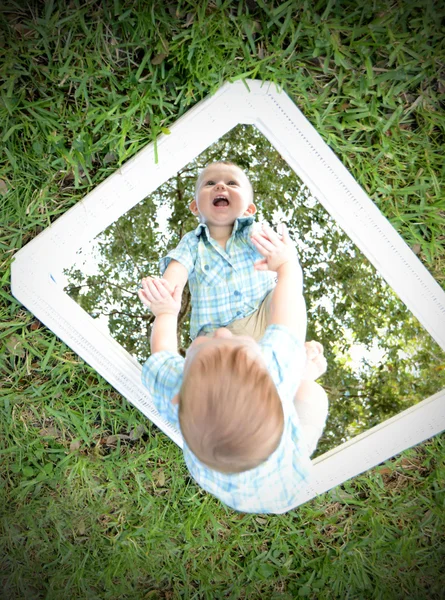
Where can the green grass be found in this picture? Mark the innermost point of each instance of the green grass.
(84, 86)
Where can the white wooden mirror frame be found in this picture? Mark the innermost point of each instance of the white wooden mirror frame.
(36, 267)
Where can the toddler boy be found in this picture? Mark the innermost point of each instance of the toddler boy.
(243, 439)
(217, 257)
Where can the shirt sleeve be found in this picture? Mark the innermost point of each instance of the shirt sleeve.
(183, 253)
(285, 356)
(246, 233)
(162, 375)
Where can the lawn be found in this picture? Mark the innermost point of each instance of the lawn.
(96, 502)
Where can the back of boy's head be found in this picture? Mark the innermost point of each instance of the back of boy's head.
(228, 164)
(230, 412)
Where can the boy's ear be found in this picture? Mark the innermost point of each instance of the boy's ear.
(194, 208)
(250, 210)
(175, 399)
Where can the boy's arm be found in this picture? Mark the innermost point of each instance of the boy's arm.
(165, 303)
(163, 334)
(176, 274)
(287, 304)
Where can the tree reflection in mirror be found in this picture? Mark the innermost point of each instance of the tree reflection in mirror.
(380, 359)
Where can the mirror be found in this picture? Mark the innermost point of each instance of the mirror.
(380, 359)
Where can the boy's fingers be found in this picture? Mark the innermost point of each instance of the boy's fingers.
(262, 243)
(319, 362)
(283, 228)
(313, 349)
(145, 283)
(285, 233)
(261, 265)
(153, 290)
(257, 244)
(167, 285)
(143, 298)
(282, 233)
(149, 296)
(271, 234)
(161, 288)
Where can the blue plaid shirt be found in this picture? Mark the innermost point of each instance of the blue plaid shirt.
(273, 486)
(223, 283)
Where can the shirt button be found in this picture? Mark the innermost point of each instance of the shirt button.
(206, 267)
(237, 293)
(238, 312)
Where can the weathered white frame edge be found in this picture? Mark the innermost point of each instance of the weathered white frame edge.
(272, 111)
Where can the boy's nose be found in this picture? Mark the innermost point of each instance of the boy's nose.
(222, 332)
(220, 184)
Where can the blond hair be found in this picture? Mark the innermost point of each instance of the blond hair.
(230, 412)
(228, 164)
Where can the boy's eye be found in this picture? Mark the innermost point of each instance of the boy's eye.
(211, 182)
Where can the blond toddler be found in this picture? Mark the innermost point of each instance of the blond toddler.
(249, 410)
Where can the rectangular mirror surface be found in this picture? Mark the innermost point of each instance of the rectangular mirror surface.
(380, 359)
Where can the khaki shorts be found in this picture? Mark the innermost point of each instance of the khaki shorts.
(255, 324)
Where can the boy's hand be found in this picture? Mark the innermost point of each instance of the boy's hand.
(316, 362)
(159, 297)
(276, 250)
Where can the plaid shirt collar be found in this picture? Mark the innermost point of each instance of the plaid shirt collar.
(240, 224)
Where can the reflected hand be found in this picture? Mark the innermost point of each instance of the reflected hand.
(316, 363)
(276, 250)
(158, 295)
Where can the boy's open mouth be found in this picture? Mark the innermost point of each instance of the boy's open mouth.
(220, 201)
